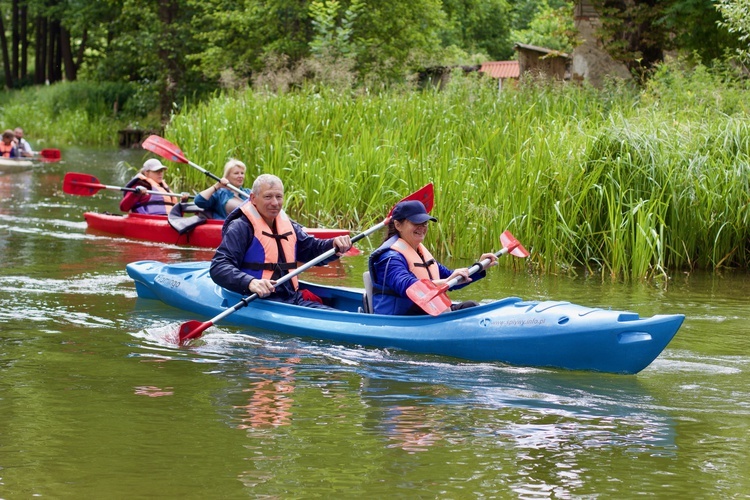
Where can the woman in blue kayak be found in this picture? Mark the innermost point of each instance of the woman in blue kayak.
(402, 260)
(219, 199)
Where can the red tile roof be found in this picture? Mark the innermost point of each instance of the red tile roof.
(501, 69)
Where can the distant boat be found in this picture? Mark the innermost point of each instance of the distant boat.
(15, 164)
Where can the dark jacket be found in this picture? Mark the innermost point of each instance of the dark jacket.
(237, 235)
(391, 277)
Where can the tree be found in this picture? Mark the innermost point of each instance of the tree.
(736, 19)
(479, 26)
(638, 32)
(550, 27)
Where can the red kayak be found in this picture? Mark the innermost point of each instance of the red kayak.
(156, 228)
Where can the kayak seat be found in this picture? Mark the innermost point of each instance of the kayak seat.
(367, 297)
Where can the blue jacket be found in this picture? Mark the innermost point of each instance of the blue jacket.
(215, 203)
(237, 235)
(391, 277)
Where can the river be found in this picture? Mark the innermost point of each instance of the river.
(94, 403)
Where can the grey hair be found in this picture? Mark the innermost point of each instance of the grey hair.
(231, 164)
(266, 180)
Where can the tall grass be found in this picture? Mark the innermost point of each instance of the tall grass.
(81, 113)
(621, 183)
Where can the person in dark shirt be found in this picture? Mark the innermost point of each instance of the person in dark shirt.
(260, 244)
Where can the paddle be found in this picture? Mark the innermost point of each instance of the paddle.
(193, 329)
(432, 299)
(50, 155)
(169, 151)
(88, 185)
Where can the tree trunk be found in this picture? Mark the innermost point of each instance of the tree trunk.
(82, 48)
(67, 55)
(14, 40)
(167, 13)
(6, 59)
(50, 49)
(24, 41)
(58, 53)
(40, 51)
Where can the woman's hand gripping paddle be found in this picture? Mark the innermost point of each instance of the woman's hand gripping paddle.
(88, 185)
(169, 151)
(432, 298)
(193, 329)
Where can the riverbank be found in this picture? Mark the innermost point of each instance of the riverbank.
(619, 183)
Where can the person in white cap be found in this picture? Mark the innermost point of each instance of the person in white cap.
(150, 178)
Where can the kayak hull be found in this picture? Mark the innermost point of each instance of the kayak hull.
(15, 164)
(156, 228)
(522, 333)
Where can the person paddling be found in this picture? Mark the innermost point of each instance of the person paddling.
(402, 260)
(150, 178)
(218, 199)
(261, 244)
(23, 146)
(8, 146)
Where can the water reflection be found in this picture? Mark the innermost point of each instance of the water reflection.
(270, 398)
(411, 428)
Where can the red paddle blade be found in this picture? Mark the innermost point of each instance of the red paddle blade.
(428, 297)
(164, 148)
(425, 194)
(50, 155)
(192, 329)
(81, 184)
(513, 245)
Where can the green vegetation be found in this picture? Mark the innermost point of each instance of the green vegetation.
(617, 182)
(76, 112)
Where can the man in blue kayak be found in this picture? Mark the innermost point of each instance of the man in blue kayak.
(260, 244)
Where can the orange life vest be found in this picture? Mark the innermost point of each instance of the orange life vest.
(421, 263)
(169, 201)
(262, 258)
(6, 149)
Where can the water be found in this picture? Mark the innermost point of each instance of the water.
(94, 402)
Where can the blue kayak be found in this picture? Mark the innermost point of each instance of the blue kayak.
(512, 331)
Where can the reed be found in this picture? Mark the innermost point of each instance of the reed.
(616, 182)
(82, 113)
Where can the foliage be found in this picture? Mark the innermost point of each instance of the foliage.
(240, 35)
(551, 28)
(640, 32)
(736, 19)
(481, 26)
(614, 182)
(74, 112)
